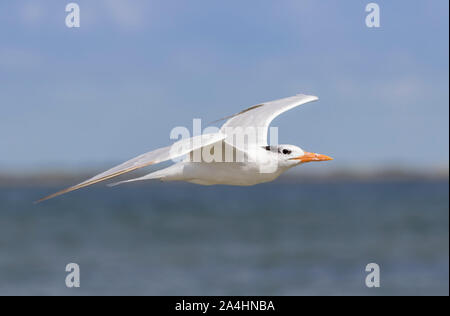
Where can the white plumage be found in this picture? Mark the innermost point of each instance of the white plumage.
(240, 150)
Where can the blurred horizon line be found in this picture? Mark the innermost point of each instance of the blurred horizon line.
(59, 177)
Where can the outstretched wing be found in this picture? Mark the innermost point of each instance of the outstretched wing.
(258, 117)
(178, 149)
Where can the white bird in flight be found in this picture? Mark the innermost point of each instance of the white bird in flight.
(258, 161)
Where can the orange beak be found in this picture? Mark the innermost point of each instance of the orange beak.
(308, 157)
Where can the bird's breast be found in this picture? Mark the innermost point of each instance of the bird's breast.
(228, 173)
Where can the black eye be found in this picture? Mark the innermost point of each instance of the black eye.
(287, 151)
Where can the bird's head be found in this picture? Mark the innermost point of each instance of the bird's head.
(290, 155)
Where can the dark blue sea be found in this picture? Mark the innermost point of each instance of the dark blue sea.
(272, 239)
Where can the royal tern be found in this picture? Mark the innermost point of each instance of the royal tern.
(219, 158)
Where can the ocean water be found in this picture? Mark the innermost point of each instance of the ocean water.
(270, 239)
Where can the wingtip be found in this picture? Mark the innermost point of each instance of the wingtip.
(42, 200)
(48, 197)
(87, 183)
(313, 97)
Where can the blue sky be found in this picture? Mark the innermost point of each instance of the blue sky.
(115, 87)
